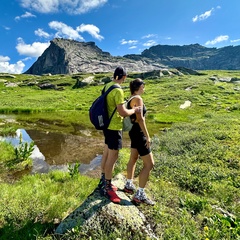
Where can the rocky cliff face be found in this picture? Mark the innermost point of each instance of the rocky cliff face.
(65, 56)
(195, 56)
(68, 56)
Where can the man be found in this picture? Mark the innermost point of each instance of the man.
(113, 134)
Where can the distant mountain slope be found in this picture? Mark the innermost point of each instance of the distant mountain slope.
(65, 56)
(68, 56)
(193, 56)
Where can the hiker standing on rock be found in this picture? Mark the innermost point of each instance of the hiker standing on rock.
(140, 145)
(113, 134)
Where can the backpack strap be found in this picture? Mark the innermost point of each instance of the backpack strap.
(133, 119)
(106, 93)
(109, 89)
(129, 100)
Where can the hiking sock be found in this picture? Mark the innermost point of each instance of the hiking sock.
(140, 190)
(108, 183)
(101, 181)
(130, 181)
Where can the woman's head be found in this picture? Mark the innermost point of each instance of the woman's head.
(135, 85)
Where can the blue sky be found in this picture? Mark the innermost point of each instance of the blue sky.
(116, 26)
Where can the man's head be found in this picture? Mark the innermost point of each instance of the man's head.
(119, 73)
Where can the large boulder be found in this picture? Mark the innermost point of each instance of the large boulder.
(98, 215)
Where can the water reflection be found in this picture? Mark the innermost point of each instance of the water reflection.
(54, 151)
(59, 148)
(58, 144)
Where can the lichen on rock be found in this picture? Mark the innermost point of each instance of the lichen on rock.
(97, 216)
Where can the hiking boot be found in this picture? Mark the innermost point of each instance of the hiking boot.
(140, 197)
(111, 194)
(101, 184)
(129, 188)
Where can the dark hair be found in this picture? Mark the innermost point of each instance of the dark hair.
(135, 85)
(119, 73)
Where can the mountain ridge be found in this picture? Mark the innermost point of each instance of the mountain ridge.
(65, 56)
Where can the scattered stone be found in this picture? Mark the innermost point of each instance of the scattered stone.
(213, 78)
(7, 76)
(88, 80)
(186, 104)
(3, 80)
(225, 79)
(11, 85)
(47, 86)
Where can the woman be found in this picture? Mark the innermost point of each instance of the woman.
(140, 145)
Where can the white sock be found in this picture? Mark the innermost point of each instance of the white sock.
(129, 180)
(140, 190)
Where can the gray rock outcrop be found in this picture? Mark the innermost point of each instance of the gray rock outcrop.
(195, 56)
(65, 56)
(98, 215)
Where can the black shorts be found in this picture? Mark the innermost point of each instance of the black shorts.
(113, 139)
(138, 140)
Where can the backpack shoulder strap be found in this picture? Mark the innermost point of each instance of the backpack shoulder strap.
(129, 100)
(109, 89)
(106, 93)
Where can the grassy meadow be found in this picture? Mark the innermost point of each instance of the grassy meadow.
(196, 178)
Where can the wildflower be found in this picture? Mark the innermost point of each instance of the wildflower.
(205, 229)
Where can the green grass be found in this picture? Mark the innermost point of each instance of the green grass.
(32, 206)
(196, 177)
(195, 180)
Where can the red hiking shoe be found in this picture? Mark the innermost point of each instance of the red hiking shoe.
(114, 188)
(113, 197)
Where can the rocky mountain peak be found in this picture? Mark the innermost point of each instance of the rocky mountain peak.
(65, 56)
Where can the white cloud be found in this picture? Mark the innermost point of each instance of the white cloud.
(129, 42)
(149, 36)
(4, 59)
(64, 30)
(43, 6)
(81, 6)
(149, 43)
(217, 40)
(132, 47)
(31, 50)
(6, 28)
(42, 33)
(25, 15)
(203, 16)
(69, 6)
(235, 40)
(91, 29)
(6, 67)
